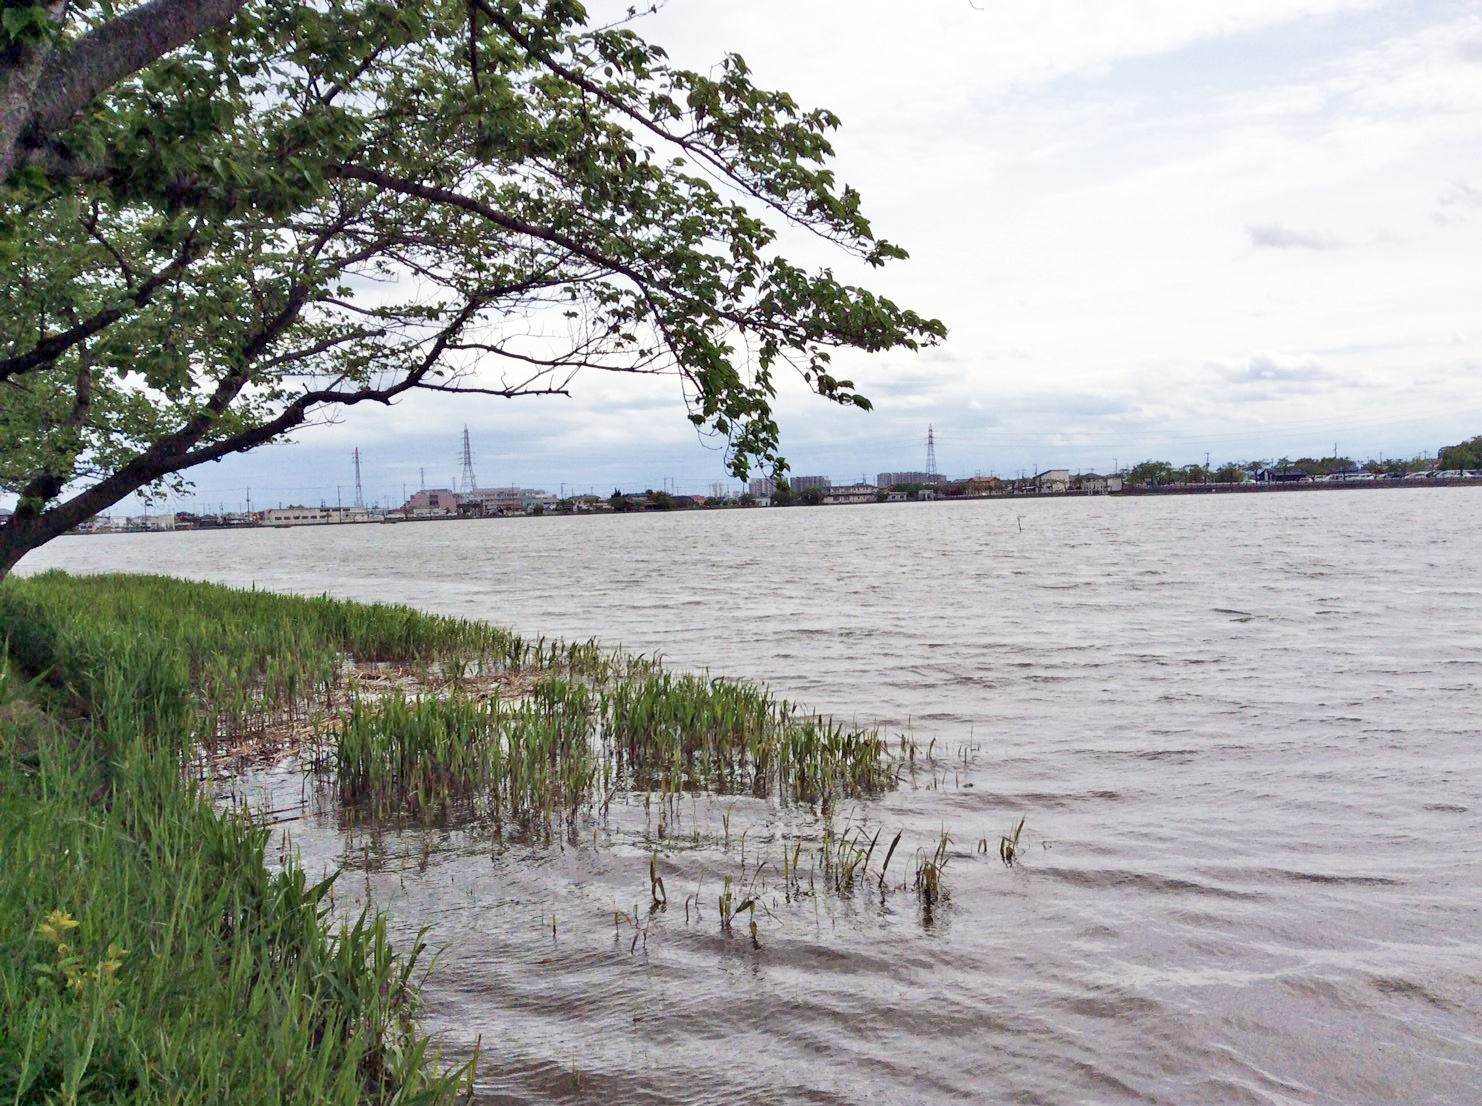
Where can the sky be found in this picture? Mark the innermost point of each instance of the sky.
(1156, 229)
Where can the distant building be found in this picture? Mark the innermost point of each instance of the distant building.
(1096, 484)
(488, 502)
(762, 487)
(151, 522)
(983, 485)
(296, 516)
(1271, 475)
(353, 514)
(432, 503)
(891, 479)
(1052, 481)
(850, 493)
(803, 483)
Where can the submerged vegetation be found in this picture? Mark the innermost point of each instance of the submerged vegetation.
(561, 746)
(145, 937)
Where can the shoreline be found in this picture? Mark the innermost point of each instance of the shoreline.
(1293, 486)
(1244, 488)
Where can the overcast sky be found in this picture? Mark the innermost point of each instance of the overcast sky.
(1154, 228)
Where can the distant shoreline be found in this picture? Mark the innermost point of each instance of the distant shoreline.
(1249, 487)
(1286, 486)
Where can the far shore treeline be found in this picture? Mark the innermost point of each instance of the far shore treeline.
(1459, 460)
(1459, 463)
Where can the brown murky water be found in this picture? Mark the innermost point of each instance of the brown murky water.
(1246, 734)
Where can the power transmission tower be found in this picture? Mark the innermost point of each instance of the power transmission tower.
(359, 498)
(931, 451)
(466, 482)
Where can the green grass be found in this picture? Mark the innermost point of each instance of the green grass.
(238, 985)
(147, 954)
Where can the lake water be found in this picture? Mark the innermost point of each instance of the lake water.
(1245, 733)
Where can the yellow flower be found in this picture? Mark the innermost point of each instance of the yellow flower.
(55, 925)
(107, 969)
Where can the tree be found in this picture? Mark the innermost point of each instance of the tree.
(221, 222)
(1152, 472)
(810, 497)
(1463, 455)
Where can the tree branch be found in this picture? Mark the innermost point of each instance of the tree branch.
(50, 348)
(122, 46)
(298, 410)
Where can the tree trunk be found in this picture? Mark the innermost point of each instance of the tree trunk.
(23, 533)
(42, 89)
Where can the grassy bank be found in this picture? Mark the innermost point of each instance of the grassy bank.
(147, 955)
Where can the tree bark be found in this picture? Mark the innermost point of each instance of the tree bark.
(20, 73)
(43, 89)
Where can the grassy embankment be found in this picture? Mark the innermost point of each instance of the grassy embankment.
(147, 955)
(146, 952)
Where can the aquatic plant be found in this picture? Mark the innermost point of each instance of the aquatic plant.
(444, 721)
(1008, 844)
(929, 866)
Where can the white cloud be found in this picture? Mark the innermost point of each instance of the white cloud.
(1455, 200)
(1276, 236)
(1267, 367)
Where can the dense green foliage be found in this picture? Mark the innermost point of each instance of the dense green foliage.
(1152, 473)
(147, 954)
(1463, 455)
(1156, 473)
(306, 206)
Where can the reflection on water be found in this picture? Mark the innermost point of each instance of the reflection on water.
(1244, 733)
